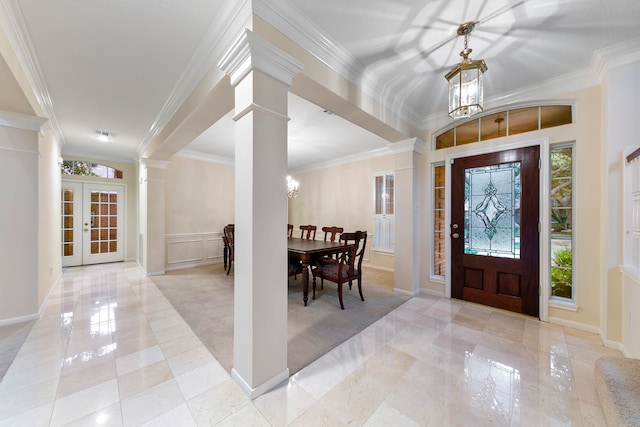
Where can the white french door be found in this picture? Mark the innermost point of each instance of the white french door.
(92, 223)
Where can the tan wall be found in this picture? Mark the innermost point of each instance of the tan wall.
(588, 194)
(341, 196)
(199, 196)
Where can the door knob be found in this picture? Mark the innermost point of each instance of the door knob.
(455, 235)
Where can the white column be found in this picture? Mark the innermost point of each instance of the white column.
(407, 215)
(261, 75)
(152, 216)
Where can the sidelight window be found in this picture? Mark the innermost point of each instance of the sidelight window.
(384, 218)
(561, 192)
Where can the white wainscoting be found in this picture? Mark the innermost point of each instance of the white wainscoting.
(630, 312)
(192, 250)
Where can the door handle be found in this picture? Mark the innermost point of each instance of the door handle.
(455, 235)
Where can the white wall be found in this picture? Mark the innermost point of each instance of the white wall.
(622, 295)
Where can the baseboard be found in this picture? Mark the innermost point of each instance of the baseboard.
(155, 273)
(575, 325)
(432, 292)
(377, 267)
(19, 319)
(405, 292)
(44, 304)
(264, 387)
(615, 345)
(152, 273)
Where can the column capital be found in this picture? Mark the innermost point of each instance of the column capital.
(250, 51)
(411, 144)
(21, 121)
(152, 163)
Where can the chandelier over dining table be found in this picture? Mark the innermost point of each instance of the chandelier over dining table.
(465, 80)
(292, 187)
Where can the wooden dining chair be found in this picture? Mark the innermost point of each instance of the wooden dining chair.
(229, 231)
(348, 265)
(295, 265)
(308, 232)
(225, 249)
(332, 232)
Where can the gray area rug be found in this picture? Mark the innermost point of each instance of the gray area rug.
(204, 298)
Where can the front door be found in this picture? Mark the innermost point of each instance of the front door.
(494, 229)
(92, 223)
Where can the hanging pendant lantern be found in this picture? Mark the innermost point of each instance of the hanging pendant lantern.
(465, 80)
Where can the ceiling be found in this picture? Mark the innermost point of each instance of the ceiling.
(117, 65)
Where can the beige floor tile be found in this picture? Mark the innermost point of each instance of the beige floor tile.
(432, 361)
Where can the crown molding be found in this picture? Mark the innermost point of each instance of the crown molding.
(229, 22)
(194, 155)
(612, 57)
(21, 121)
(358, 157)
(13, 23)
(297, 27)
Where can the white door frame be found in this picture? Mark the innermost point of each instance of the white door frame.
(82, 219)
(545, 226)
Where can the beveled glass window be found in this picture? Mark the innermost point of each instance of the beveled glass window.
(492, 210)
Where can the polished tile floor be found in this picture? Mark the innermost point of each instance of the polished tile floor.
(110, 350)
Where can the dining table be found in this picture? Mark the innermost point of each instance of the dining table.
(307, 251)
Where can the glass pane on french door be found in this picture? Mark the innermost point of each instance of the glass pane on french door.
(92, 223)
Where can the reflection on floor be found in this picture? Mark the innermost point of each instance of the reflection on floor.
(110, 350)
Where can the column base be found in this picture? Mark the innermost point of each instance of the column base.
(262, 388)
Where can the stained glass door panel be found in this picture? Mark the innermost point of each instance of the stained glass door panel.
(492, 210)
(494, 229)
